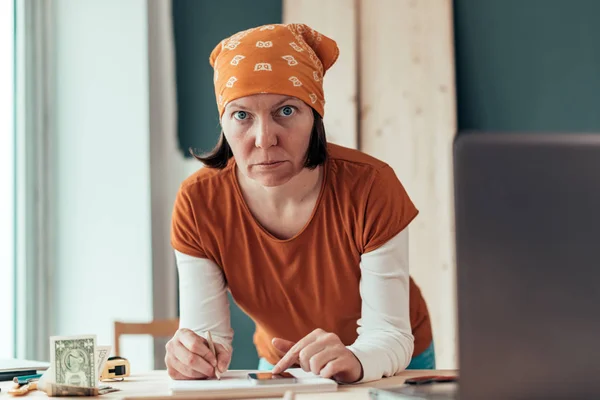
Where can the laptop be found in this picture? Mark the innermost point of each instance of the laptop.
(528, 265)
(11, 368)
(527, 213)
(434, 391)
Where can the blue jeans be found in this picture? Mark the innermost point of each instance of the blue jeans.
(425, 360)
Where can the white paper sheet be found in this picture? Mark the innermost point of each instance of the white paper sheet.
(233, 382)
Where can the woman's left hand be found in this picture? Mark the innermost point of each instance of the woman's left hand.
(321, 353)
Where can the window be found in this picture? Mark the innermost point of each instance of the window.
(7, 192)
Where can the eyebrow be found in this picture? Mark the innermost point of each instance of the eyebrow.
(241, 107)
(288, 98)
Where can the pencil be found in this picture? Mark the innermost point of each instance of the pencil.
(211, 345)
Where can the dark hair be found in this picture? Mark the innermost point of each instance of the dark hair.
(316, 154)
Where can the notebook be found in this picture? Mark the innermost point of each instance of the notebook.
(235, 384)
(11, 368)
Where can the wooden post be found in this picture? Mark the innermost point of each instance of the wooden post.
(408, 119)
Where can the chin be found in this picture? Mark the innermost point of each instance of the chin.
(272, 178)
(271, 181)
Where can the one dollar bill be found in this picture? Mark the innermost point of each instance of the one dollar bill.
(74, 362)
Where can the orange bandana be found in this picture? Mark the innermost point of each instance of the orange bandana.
(286, 59)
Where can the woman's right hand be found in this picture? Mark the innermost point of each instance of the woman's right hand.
(189, 357)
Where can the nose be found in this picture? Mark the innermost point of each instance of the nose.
(266, 134)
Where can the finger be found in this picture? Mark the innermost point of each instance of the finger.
(296, 363)
(282, 346)
(178, 370)
(320, 359)
(307, 353)
(292, 355)
(176, 375)
(191, 360)
(197, 345)
(290, 358)
(223, 358)
(334, 367)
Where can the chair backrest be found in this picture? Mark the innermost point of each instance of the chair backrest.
(156, 328)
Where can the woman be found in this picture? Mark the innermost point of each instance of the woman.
(310, 238)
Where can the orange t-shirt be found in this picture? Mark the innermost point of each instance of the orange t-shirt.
(291, 287)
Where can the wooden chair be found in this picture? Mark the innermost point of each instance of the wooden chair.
(156, 329)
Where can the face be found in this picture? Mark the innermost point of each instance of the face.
(269, 136)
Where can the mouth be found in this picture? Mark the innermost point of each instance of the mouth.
(269, 163)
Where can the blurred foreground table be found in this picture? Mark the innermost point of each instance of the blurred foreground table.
(155, 385)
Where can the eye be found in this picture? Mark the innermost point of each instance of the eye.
(240, 115)
(286, 111)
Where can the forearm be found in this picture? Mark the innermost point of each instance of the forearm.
(204, 305)
(385, 342)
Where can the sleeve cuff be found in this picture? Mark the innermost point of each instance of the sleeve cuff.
(370, 365)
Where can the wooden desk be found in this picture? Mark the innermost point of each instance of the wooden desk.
(155, 384)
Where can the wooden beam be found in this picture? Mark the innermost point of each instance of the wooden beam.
(408, 119)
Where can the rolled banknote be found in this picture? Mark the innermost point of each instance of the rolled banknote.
(55, 390)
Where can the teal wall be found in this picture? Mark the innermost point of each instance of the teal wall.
(198, 26)
(528, 65)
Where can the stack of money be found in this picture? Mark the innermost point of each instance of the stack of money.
(76, 363)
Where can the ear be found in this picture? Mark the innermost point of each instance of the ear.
(324, 47)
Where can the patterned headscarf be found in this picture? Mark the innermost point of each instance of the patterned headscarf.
(286, 59)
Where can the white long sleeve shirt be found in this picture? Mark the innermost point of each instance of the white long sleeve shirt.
(385, 342)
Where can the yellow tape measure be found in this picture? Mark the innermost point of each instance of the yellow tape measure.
(115, 368)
